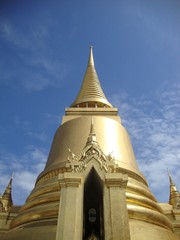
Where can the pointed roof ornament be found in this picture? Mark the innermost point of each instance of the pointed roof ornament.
(92, 136)
(7, 196)
(174, 197)
(91, 94)
(9, 186)
(92, 126)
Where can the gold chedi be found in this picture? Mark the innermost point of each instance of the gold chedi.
(91, 186)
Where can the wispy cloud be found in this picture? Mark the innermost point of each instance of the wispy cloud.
(26, 167)
(40, 135)
(31, 37)
(154, 127)
(52, 119)
(29, 161)
(31, 63)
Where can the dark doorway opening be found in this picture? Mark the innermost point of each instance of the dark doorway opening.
(93, 207)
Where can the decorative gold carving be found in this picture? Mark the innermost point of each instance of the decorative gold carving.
(177, 205)
(78, 163)
(54, 173)
(92, 150)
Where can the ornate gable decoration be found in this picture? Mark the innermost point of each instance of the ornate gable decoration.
(92, 150)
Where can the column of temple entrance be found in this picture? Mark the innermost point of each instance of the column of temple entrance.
(70, 217)
(116, 183)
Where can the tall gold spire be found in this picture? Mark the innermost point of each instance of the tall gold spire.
(174, 197)
(91, 93)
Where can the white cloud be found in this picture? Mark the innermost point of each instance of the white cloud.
(52, 119)
(40, 135)
(24, 181)
(31, 64)
(155, 133)
(35, 82)
(28, 38)
(26, 168)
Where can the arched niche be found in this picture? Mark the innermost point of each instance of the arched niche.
(93, 214)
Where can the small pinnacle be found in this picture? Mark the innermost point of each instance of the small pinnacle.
(92, 136)
(92, 126)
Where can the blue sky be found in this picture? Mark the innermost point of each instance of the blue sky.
(44, 51)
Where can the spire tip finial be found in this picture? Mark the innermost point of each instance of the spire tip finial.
(91, 59)
(170, 178)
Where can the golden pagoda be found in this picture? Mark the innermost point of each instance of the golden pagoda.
(91, 186)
